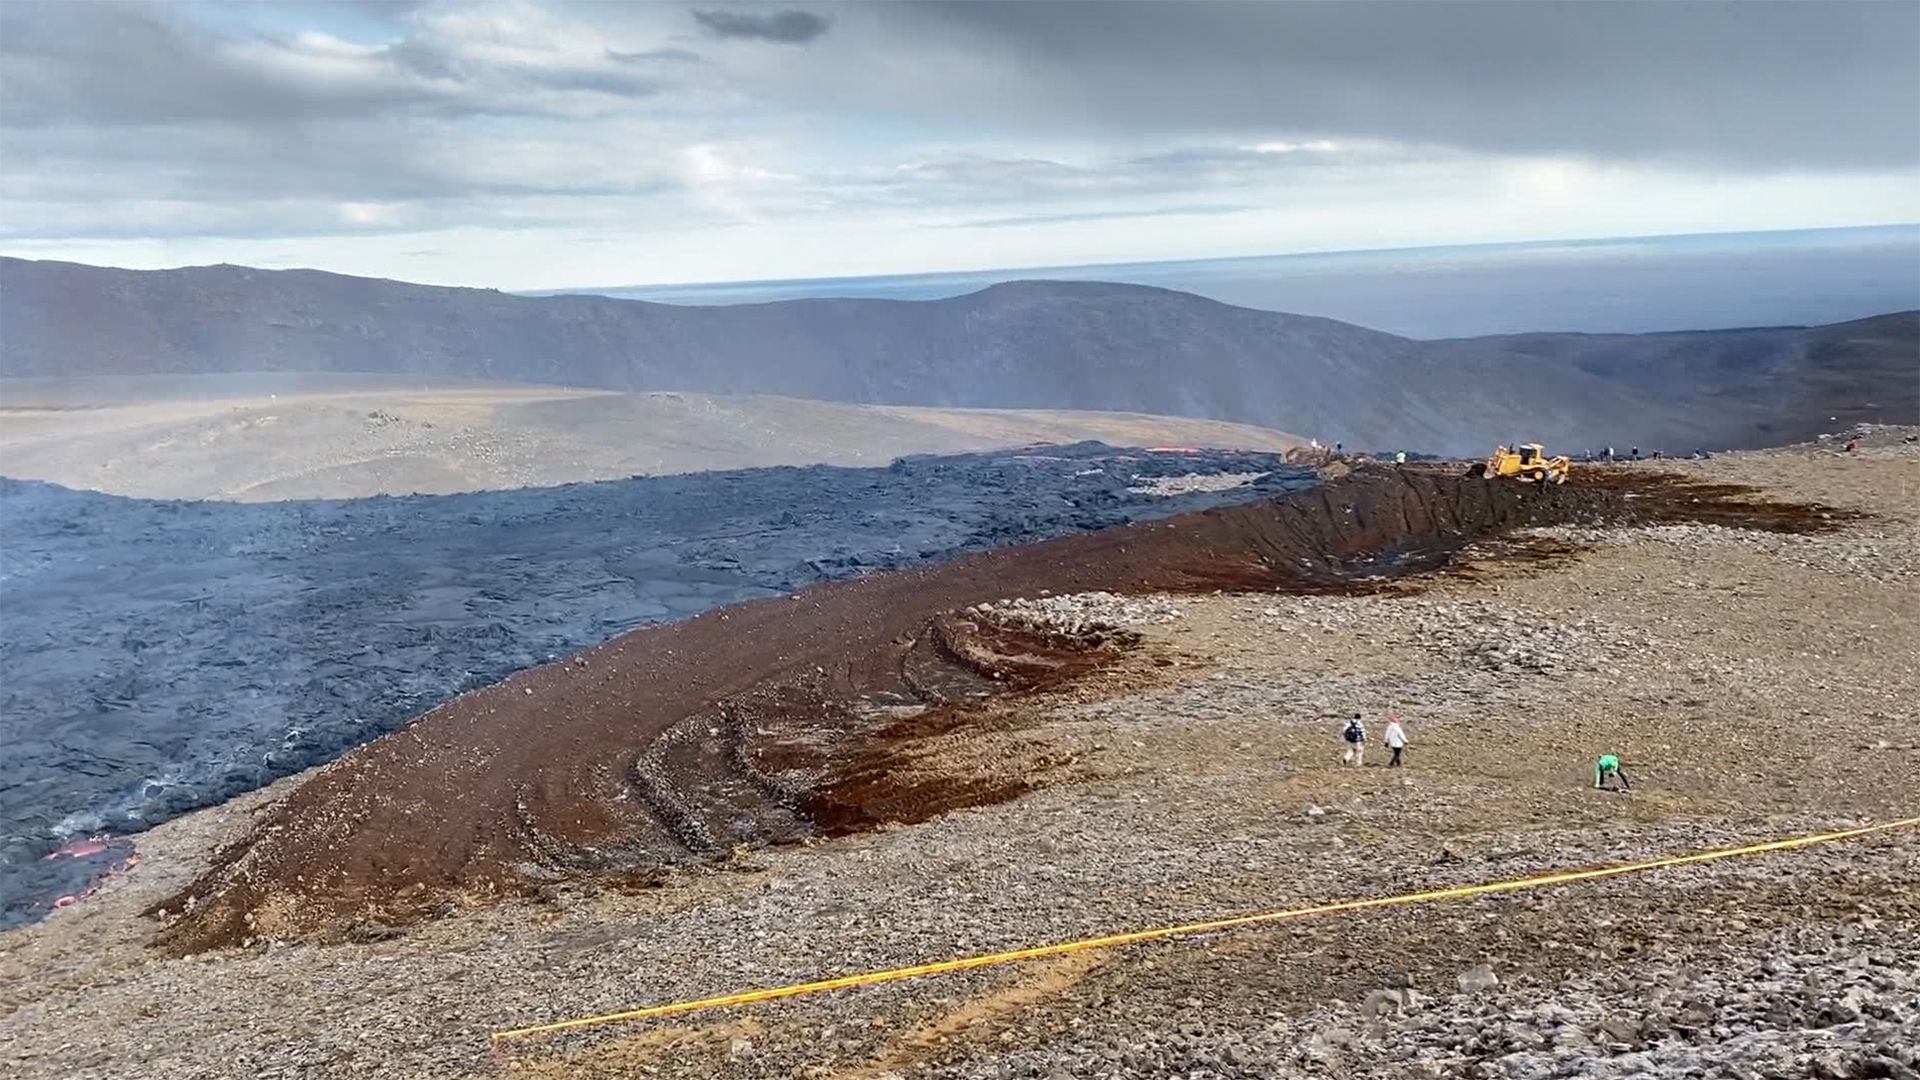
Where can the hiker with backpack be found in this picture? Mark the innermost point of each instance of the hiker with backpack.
(1355, 736)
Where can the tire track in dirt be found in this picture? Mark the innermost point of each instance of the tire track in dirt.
(979, 1015)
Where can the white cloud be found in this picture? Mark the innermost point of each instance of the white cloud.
(1313, 146)
(365, 214)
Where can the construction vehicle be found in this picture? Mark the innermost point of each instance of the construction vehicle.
(1528, 462)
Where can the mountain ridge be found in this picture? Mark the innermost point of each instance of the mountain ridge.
(1019, 344)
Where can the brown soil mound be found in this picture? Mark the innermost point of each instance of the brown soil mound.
(789, 717)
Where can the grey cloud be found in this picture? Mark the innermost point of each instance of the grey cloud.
(257, 218)
(115, 64)
(111, 64)
(427, 60)
(967, 180)
(1258, 164)
(624, 84)
(785, 27)
(170, 127)
(132, 219)
(979, 181)
(379, 12)
(656, 56)
(1782, 84)
(341, 160)
(175, 122)
(988, 172)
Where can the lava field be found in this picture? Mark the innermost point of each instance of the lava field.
(160, 656)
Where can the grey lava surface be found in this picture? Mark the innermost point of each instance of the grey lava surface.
(157, 657)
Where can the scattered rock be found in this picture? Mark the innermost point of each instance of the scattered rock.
(1191, 482)
(1478, 979)
(1383, 1002)
(1081, 612)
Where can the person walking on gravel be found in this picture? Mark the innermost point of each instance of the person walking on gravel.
(1396, 740)
(1608, 768)
(1355, 735)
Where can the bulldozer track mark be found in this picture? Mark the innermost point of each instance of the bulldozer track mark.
(740, 731)
(676, 819)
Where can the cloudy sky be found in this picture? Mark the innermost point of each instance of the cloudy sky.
(529, 145)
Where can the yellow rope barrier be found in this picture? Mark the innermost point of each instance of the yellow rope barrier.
(945, 966)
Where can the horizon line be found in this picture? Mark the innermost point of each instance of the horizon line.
(1308, 253)
(1013, 271)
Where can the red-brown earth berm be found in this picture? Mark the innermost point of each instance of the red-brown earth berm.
(771, 719)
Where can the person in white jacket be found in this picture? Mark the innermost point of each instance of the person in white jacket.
(1396, 739)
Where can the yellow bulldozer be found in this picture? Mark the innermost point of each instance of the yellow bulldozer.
(1528, 462)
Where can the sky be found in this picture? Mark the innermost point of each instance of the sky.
(525, 145)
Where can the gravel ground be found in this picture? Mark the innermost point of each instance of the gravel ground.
(1835, 1003)
(1752, 691)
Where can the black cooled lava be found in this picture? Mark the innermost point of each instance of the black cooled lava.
(161, 656)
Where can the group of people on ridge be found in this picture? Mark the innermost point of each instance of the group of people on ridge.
(1606, 771)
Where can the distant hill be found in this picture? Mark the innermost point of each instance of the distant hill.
(1785, 384)
(1039, 345)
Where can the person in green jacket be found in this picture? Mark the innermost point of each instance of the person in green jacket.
(1608, 768)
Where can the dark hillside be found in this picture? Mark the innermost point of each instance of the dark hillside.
(1075, 345)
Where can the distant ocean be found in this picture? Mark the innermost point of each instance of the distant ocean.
(1698, 282)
